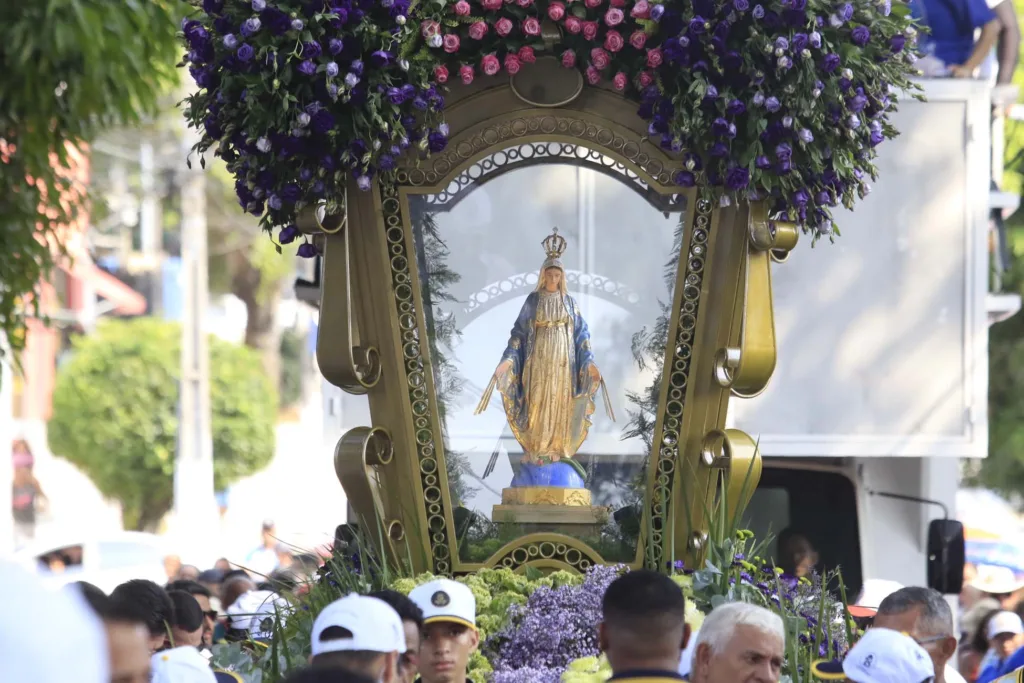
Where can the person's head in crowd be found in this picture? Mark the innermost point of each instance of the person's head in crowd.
(128, 640)
(998, 583)
(234, 586)
(320, 675)
(187, 627)
(644, 623)
(449, 630)
(739, 643)
(181, 665)
(202, 596)
(880, 656)
(211, 580)
(253, 616)
(359, 634)
(152, 606)
(46, 634)
(187, 572)
(93, 596)
(269, 534)
(222, 564)
(796, 555)
(412, 625)
(924, 615)
(1005, 633)
(285, 555)
(172, 565)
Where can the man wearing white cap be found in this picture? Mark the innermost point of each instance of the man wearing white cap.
(449, 630)
(881, 656)
(924, 615)
(1005, 633)
(181, 665)
(361, 635)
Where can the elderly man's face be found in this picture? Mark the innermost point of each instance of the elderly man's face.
(751, 656)
(940, 646)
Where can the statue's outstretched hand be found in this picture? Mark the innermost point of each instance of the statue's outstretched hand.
(503, 369)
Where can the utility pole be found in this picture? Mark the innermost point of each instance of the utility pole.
(6, 439)
(195, 510)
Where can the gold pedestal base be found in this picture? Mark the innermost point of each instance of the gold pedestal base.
(545, 495)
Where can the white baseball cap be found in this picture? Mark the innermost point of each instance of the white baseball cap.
(256, 612)
(375, 626)
(880, 656)
(36, 623)
(181, 665)
(445, 600)
(1004, 622)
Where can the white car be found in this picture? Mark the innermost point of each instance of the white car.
(105, 561)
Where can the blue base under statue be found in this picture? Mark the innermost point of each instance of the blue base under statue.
(558, 474)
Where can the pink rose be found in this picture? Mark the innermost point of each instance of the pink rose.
(490, 64)
(613, 41)
(524, 3)
(477, 30)
(638, 39)
(620, 81)
(568, 59)
(614, 16)
(451, 43)
(526, 55)
(511, 64)
(641, 10)
(646, 78)
(556, 11)
(600, 58)
(589, 30)
(573, 25)
(491, 5)
(441, 73)
(654, 58)
(429, 28)
(592, 4)
(593, 76)
(531, 26)
(466, 74)
(462, 8)
(503, 26)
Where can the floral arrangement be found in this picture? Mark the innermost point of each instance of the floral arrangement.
(784, 100)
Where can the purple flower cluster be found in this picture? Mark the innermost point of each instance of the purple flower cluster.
(779, 99)
(554, 628)
(298, 95)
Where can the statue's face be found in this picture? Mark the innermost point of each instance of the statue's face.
(552, 279)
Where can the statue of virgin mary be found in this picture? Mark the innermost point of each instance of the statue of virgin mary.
(547, 376)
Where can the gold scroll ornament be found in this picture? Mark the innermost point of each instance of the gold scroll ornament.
(345, 363)
(747, 368)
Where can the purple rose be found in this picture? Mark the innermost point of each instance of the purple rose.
(288, 234)
(437, 141)
(735, 108)
(799, 42)
(335, 46)
(783, 152)
(250, 26)
(291, 193)
(230, 41)
(801, 198)
(331, 69)
(213, 6)
(698, 25)
(305, 174)
(274, 202)
(356, 67)
(781, 43)
(823, 198)
(684, 179)
(897, 43)
(396, 96)
(772, 104)
(277, 22)
(846, 12)
(860, 36)
(758, 99)
(876, 137)
(763, 162)
(307, 67)
(306, 250)
(758, 12)
(245, 52)
(658, 11)
(720, 127)
(737, 178)
(363, 182)
(380, 58)
(805, 135)
(298, 24)
(311, 50)
(857, 103)
(712, 93)
(719, 149)
(386, 162)
(830, 63)
(322, 122)
(740, 5)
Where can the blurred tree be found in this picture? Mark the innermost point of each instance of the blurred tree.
(115, 414)
(293, 367)
(68, 69)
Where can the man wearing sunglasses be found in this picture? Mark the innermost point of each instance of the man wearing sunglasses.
(924, 615)
(202, 596)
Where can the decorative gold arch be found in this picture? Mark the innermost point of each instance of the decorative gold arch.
(719, 338)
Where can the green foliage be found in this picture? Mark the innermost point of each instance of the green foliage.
(115, 413)
(1013, 179)
(292, 368)
(68, 69)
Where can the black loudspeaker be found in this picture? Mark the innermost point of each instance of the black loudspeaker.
(946, 556)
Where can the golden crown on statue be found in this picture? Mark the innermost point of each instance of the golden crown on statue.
(554, 244)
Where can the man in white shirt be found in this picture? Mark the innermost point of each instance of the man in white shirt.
(924, 615)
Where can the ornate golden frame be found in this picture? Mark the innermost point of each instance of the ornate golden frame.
(375, 343)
